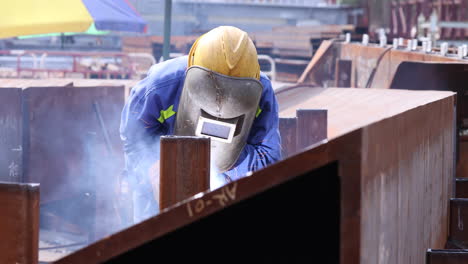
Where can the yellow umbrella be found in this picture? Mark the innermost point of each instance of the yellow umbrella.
(27, 17)
(32, 17)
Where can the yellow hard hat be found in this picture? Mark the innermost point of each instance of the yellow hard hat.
(226, 50)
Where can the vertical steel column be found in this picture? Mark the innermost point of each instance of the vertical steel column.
(288, 130)
(184, 168)
(167, 29)
(343, 73)
(19, 223)
(311, 127)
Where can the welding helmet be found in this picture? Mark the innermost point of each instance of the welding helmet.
(221, 93)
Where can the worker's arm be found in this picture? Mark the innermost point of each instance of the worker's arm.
(264, 144)
(140, 131)
(143, 121)
(144, 116)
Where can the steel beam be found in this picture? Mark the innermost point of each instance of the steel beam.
(184, 168)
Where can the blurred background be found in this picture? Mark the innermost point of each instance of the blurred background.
(68, 139)
(286, 33)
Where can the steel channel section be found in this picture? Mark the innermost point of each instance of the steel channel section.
(11, 166)
(19, 223)
(288, 128)
(184, 168)
(311, 127)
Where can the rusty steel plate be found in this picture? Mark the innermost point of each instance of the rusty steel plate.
(350, 109)
(11, 165)
(391, 191)
(65, 150)
(19, 223)
(372, 66)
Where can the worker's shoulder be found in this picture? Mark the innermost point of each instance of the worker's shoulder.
(163, 75)
(169, 71)
(266, 83)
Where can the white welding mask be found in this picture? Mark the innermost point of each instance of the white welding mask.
(220, 107)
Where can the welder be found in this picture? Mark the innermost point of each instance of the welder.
(216, 91)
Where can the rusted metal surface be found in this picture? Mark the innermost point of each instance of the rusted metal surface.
(73, 65)
(19, 223)
(290, 70)
(185, 168)
(446, 256)
(58, 123)
(372, 66)
(436, 76)
(458, 221)
(350, 109)
(392, 189)
(311, 127)
(343, 73)
(68, 82)
(407, 13)
(262, 242)
(462, 165)
(399, 200)
(65, 151)
(319, 67)
(444, 77)
(288, 97)
(293, 41)
(461, 188)
(288, 128)
(10, 135)
(369, 62)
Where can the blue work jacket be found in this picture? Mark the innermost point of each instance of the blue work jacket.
(151, 110)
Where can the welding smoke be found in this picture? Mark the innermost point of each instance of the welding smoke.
(69, 157)
(216, 179)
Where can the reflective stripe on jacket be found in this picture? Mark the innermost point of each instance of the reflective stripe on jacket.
(151, 111)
